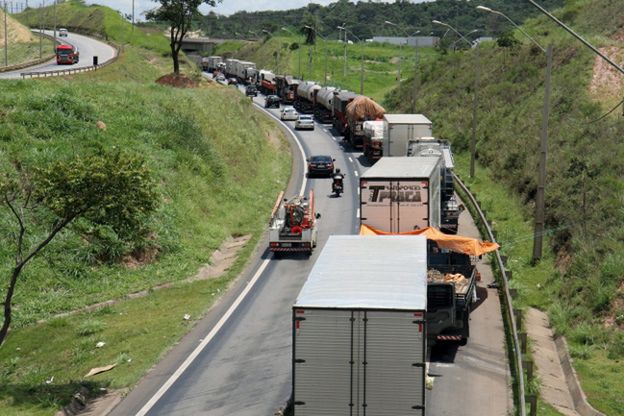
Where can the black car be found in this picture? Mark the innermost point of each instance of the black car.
(321, 165)
(272, 101)
(251, 90)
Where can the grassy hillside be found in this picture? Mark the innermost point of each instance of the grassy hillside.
(284, 54)
(23, 46)
(580, 281)
(218, 168)
(95, 20)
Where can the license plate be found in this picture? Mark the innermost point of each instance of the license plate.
(286, 244)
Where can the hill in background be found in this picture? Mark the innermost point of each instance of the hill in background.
(17, 33)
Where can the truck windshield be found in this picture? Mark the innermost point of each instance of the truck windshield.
(64, 52)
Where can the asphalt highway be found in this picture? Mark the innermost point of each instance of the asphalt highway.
(240, 353)
(88, 48)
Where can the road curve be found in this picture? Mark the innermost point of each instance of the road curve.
(87, 46)
(245, 369)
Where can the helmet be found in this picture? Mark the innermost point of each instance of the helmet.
(337, 170)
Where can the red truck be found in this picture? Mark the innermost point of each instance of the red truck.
(67, 54)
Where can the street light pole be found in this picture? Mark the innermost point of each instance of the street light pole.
(540, 217)
(6, 39)
(538, 235)
(298, 50)
(326, 51)
(361, 60)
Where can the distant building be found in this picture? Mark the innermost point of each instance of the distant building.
(421, 41)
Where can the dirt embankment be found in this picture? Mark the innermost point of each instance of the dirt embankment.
(607, 83)
(17, 33)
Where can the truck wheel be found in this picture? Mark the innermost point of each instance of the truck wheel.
(466, 331)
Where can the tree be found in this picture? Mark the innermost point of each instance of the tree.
(109, 188)
(179, 15)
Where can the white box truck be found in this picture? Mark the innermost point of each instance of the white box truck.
(359, 329)
(400, 128)
(401, 194)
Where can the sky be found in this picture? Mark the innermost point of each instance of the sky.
(226, 7)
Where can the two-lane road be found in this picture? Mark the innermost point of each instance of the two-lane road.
(245, 368)
(88, 48)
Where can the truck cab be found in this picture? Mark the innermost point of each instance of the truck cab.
(67, 54)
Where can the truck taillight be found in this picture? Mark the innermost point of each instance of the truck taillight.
(274, 244)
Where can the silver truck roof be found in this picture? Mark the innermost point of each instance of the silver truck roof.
(406, 119)
(402, 167)
(368, 272)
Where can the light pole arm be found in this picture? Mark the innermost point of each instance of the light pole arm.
(520, 29)
(579, 37)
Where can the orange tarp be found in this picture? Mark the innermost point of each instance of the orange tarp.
(363, 107)
(457, 243)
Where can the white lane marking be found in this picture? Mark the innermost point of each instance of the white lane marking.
(350, 160)
(189, 360)
(357, 215)
(333, 138)
(358, 190)
(355, 172)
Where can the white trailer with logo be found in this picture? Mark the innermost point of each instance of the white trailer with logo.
(401, 194)
(359, 329)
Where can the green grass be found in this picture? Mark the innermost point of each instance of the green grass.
(20, 53)
(380, 61)
(218, 174)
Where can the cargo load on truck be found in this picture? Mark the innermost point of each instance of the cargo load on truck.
(293, 224)
(230, 67)
(373, 139)
(451, 281)
(245, 71)
(401, 194)
(359, 330)
(340, 102)
(399, 129)
(360, 109)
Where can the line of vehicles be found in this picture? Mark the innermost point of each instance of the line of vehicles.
(373, 303)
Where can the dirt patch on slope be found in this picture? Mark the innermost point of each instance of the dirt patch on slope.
(178, 81)
(17, 33)
(607, 83)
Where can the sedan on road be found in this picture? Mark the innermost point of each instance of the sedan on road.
(321, 165)
(289, 113)
(304, 122)
(272, 101)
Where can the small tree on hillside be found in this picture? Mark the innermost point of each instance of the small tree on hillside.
(179, 15)
(109, 189)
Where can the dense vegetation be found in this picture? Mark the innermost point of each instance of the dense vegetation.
(366, 18)
(585, 292)
(214, 173)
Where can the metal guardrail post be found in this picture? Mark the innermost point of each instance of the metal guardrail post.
(508, 300)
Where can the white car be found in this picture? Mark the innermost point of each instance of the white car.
(62, 32)
(289, 113)
(304, 122)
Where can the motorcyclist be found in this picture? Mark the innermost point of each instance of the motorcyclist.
(337, 180)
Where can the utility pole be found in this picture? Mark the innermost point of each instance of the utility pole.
(416, 76)
(362, 75)
(473, 142)
(40, 31)
(344, 69)
(133, 15)
(538, 235)
(6, 38)
(54, 42)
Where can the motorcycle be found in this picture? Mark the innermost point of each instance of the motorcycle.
(337, 188)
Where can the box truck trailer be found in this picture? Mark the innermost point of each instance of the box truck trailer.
(400, 128)
(359, 329)
(401, 194)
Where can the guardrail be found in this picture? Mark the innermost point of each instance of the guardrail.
(69, 71)
(517, 352)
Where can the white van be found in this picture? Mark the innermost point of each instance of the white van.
(62, 32)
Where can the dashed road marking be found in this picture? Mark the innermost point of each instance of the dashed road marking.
(350, 160)
(357, 215)
(355, 172)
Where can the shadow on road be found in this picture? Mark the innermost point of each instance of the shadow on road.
(443, 352)
(482, 295)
